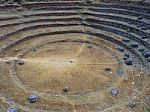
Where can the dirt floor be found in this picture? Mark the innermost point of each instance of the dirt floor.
(49, 67)
(66, 64)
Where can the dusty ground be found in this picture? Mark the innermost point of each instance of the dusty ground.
(80, 66)
(51, 69)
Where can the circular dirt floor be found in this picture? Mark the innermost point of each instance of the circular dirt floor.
(79, 66)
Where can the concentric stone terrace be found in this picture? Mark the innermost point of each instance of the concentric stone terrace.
(75, 56)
